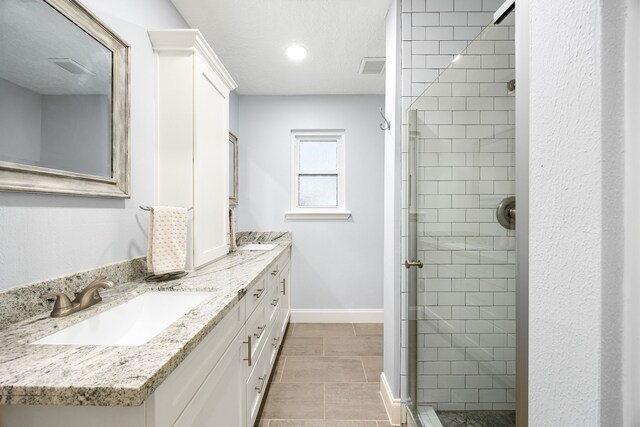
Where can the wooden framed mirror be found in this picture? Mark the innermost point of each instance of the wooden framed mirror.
(64, 101)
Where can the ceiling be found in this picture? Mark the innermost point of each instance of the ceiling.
(250, 38)
(31, 33)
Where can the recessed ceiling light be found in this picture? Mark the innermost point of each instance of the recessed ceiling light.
(296, 52)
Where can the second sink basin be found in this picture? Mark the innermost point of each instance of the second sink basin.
(258, 247)
(132, 323)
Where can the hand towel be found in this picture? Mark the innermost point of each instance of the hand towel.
(167, 248)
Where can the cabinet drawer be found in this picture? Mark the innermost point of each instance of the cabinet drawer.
(175, 392)
(256, 295)
(273, 342)
(273, 305)
(258, 328)
(256, 386)
(282, 321)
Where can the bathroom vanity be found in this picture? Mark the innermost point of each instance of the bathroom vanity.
(208, 368)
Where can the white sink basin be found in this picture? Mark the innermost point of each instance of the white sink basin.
(258, 247)
(133, 323)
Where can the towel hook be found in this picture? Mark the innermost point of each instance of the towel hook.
(387, 124)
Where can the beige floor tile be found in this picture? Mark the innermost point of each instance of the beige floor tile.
(321, 423)
(294, 401)
(323, 329)
(372, 368)
(323, 370)
(297, 423)
(349, 423)
(386, 424)
(289, 330)
(277, 370)
(368, 328)
(353, 346)
(302, 346)
(354, 402)
(262, 423)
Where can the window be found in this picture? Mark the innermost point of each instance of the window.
(318, 180)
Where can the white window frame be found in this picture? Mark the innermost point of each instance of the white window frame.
(338, 212)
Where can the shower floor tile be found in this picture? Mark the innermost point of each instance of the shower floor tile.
(477, 418)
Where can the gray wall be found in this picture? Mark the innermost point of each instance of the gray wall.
(67, 132)
(234, 113)
(46, 236)
(336, 264)
(20, 121)
(76, 133)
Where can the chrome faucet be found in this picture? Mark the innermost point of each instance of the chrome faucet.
(84, 299)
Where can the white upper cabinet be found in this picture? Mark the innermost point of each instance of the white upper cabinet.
(192, 141)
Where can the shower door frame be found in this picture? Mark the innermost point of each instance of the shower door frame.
(522, 197)
(522, 42)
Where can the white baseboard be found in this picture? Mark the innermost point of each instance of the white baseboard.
(337, 316)
(391, 404)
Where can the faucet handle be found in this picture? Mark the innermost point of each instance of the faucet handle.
(62, 300)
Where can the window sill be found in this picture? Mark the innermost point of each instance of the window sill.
(318, 215)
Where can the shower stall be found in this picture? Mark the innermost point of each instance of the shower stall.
(462, 247)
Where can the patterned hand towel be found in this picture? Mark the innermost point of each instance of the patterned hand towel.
(167, 248)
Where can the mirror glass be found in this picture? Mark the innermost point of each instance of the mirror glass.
(55, 91)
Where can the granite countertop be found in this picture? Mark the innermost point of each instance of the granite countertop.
(32, 374)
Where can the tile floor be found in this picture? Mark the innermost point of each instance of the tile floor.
(327, 375)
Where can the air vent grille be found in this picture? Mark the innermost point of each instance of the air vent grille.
(372, 65)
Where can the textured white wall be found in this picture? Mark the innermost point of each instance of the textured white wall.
(392, 204)
(47, 236)
(631, 367)
(576, 234)
(336, 264)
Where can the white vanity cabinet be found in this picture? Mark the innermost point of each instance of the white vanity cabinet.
(193, 138)
(222, 382)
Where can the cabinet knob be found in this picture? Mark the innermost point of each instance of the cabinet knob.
(262, 380)
(261, 330)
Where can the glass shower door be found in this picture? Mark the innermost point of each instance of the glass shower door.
(462, 299)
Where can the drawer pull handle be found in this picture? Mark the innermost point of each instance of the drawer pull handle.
(259, 292)
(284, 286)
(248, 342)
(262, 380)
(275, 302)
(275, 342)
(261, 330)
(274, 272)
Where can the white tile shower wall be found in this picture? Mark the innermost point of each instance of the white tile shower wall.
(469, 293)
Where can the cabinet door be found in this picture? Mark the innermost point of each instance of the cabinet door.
(221, 401)
(211, 166)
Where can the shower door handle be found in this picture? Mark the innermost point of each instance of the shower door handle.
(413, 263)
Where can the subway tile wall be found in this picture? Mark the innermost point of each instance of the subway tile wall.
(466, 291)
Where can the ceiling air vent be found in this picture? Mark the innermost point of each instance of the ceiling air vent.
(372, 66)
